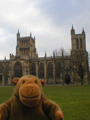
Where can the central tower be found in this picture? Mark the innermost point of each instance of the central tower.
(26, 46)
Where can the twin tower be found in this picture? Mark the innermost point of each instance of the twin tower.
(26, 45)
(78, 45)
(78, 41)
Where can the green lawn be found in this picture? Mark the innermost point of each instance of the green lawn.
(73, 100)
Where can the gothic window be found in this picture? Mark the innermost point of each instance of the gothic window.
(33, 69)
(41, 70)
(0, 79)
(17, 69)
(6, 79)
(1, 67)
(50, 70)
(81, 43)
(6, 68)
(77, 43)
(58, 69)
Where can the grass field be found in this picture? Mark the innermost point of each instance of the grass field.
(73, 100)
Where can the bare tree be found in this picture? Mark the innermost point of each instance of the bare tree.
(80, 65)
(61, 52)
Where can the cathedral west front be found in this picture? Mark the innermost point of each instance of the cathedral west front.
(54, 70)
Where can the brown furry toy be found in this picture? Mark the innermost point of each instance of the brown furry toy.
(29, 103)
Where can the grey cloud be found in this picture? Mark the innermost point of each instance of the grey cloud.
(49, 21)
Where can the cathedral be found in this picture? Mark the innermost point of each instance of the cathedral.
(54, 70)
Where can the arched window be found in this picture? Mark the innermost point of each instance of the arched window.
(6, 69)
(33, 69)
(17, 69)
(41, 70)
(0, 79)
(50, 70)
(77, 43)
(1, 68)
(5, 79)
(58, 69)
(81, 45)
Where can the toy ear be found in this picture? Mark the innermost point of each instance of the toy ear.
(42, 82)
(15, 80)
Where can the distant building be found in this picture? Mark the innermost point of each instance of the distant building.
(54, 70)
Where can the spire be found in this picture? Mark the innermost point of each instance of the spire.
(45, 54)
(53, 53)
(5, 58)
(72, 30)
(83, 32)
(18, 34)
(18, 31)
(62, 52)
(30, 34)
(72, 27)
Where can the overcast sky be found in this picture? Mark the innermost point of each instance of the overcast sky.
(50, 21)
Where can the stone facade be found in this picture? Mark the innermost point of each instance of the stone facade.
(54, 70)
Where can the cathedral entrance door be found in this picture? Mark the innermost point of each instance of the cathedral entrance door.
(67, 79)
